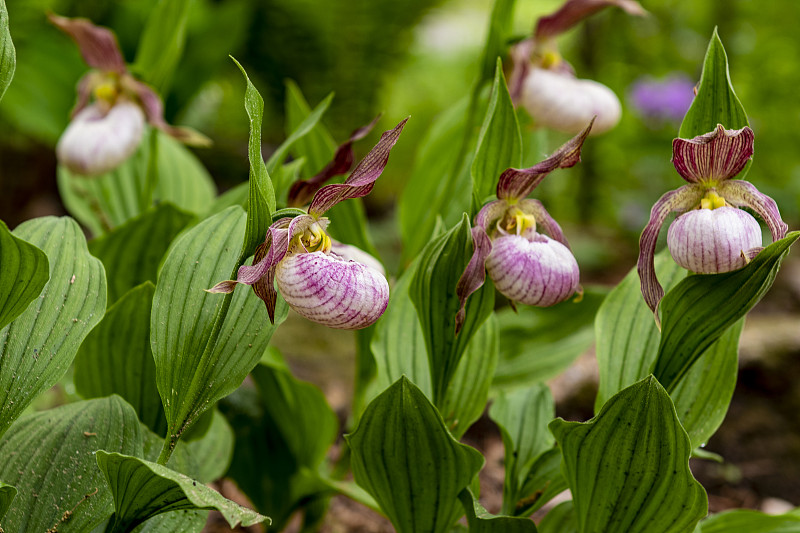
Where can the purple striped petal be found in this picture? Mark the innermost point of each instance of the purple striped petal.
(348, 252)
(98, 45)
(490, 213)
(543, 219)
(711, 241)
(363, 177)
(332, 291)
(744, 194)
(532, 269)
(518, 183)
(574, 11)
(714, 156)
(302, 191)
(474, 275)
(681, 199)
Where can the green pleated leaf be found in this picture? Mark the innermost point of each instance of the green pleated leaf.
(37, 348)
(497, 37)
(49, 457)
(749, 521)
(181, 178)
(116, 358)
(132, 252)
(24, 271)
(481, 521)
(539, 343)
(544, 482)
(142, 489)
(700, 308)
(299, 412)
(560, 519)
(8, 56)
(7, 495)
(499, 142)
(628, 468)
(318, 146)
(403, 455)
(627, 346)
(716, 102)
(161, 43)
(198, 360)
(261, 196)
(522, 416)
(433, 292)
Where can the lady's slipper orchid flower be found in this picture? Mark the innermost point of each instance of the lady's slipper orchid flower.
(711, 234)
(525, 266)
(107, 131)
(333, 284)
(546, 86)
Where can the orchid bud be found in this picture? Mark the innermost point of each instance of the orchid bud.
(331, 290)
(532, 269)
(97, 141)
(711, 241)
(562, 102)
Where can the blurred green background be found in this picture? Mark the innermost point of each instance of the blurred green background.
(416, 57)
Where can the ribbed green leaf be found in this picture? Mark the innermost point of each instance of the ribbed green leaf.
(500, 141)
(537, 343)
(142, 489)
(8, 56)
(261, 196)
(628, 468)
(497, 37)
(49, 457)
(198, 362)
(700, 308)
(24, 271)
(481, 521)
(560, 519)
(161, 43)
(745, 520)
(37, 348)
(716, 102)
(544, 482)
(132, 252)
(403, 455)
(522, 416)
(181, 178)
(116, 358)
(318, 145)
(433, 292)
(7, 495)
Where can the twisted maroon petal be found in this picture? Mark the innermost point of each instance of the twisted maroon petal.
(744, 194)
(363, 177)
(490, 213)
(574, 11)
(717, 155)
(154, 110)
(302, 191)
(98, 45)
(544, 220)
(474, 275)
(518, 183)
(680, 199)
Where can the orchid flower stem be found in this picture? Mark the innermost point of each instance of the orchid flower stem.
(151, 178)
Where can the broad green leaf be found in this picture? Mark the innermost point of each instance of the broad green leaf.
(261, 196)
(539, 343)
(7, 495)
(116, 358)
(24, 271)
(628, 468)
(175, 522)
(181, 178)
(38, 347)
(49, 457)
(433, 292)
(8, 57)
(522, 416)
(560, 519)
(318, 145)
(716, 102)
(198, 358)
(132, 252)
(161, 43)
(627, 345)
(142, 489)
(481, 521)
(749, 521)
(299, 413)
(468, 392)
(700, 308)
(544, 482)
(214, 450)
(403, 455)
(497, 37)
(500, 141)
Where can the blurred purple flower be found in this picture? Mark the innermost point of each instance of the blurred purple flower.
(665, 99)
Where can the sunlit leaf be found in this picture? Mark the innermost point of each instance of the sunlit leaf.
(24, 271)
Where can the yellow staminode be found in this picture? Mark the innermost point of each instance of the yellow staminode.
(106, 91)
(712, 201)
(314, 239)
